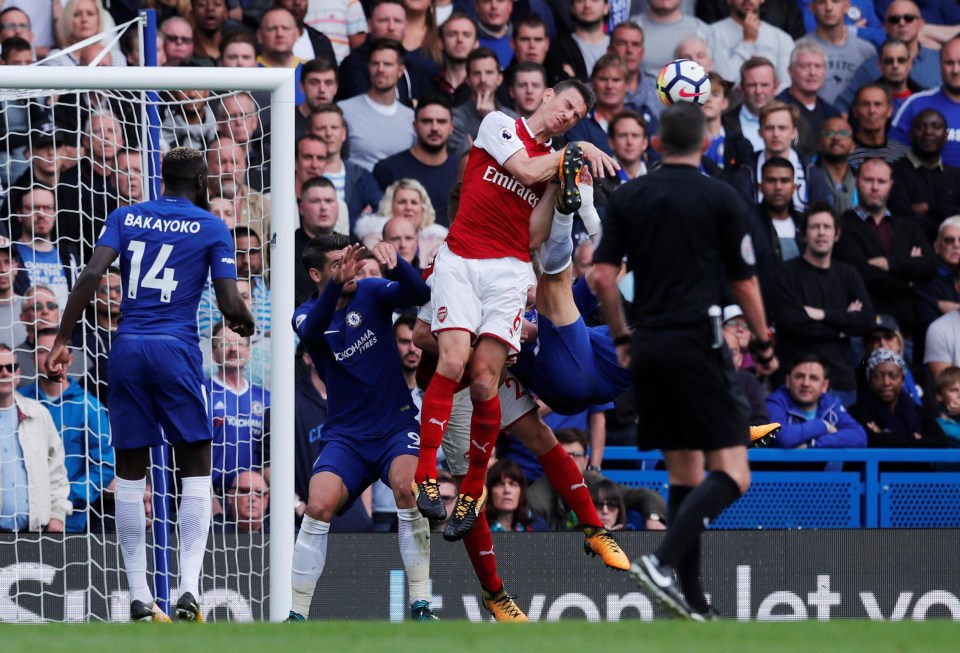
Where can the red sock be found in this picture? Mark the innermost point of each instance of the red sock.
(567, 480)
(434, 415)
(479, 544)
(484, 429)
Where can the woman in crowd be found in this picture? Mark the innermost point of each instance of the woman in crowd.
(888, 413)
(80, 20)
(608, 500)
(507, 504)
(407, 198)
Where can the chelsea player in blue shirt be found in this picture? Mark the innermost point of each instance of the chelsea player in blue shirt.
(347, 328)
(167, 249)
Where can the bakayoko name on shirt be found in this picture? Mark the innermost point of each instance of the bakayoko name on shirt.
(160, 224)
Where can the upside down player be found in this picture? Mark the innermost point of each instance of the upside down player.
(569, 366)
(482, 274)
(168, 247)
(347, 327)
(519, 413)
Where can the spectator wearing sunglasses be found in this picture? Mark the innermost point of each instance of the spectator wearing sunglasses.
(40, 310)
(940, 295)
(896, 64)
(902, 21)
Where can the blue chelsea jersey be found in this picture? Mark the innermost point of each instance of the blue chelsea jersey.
(167, 248)
(356, 356)
(241, 418)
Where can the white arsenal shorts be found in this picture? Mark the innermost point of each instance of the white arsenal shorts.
(483, 296)
(515, 402)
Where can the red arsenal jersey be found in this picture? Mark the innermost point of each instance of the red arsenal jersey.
(493, 219)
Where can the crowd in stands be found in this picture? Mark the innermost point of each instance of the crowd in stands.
(837, 120)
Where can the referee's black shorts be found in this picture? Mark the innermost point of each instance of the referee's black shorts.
(688, 394)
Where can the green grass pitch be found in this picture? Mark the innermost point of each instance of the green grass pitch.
(464, 637)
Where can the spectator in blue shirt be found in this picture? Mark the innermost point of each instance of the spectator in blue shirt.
(810, 416)
(83, 425)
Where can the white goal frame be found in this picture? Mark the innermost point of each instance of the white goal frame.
(281, 84)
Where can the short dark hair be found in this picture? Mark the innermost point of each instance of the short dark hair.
(434, 99)
(320, 65)
(757, 62)
(777, 162)
(532, 21)
(811, 357)
(238, 36)
(877, 87)
(314, 255)
(627, 114)
(919, 116)
(307, 137)
(589, 97)
(181, 167)
(316, 182)
(14, 44)
(571, 436)
(682, 129)
(389, 44)
(628, 24)
(405, 320)
(459, 15)
(19, 198)
(820, 206)
(608, 60)
(377, 3)
(947, 378)
(7, 10)
(481, 53)
(245, 231)
(527, 67)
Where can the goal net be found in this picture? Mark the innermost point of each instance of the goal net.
(77, 144)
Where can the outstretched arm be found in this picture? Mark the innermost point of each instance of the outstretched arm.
(83, 292)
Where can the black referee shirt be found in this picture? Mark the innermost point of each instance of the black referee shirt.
(676, 227)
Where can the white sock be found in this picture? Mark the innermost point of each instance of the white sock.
(413, 534)
(194, 521)
(556, 250)
(588, 212)
(309, 557)
(131, 520)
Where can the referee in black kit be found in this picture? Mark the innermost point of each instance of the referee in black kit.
(679, 229)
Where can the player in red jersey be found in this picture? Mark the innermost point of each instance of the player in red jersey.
(481, 277)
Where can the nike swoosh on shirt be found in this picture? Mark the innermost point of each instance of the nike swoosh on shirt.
(334, 331)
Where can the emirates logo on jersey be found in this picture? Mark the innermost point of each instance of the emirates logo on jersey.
(441, 314)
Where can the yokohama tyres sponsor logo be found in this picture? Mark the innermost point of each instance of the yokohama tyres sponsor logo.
(493, 175)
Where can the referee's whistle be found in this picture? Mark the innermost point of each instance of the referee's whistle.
(716, 326)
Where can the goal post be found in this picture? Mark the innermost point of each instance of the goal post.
(280, 84)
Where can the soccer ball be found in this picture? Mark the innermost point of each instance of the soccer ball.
(683, 80)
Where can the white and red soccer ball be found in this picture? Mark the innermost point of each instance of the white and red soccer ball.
(683, 80)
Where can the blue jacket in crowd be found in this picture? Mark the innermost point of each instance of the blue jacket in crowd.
(796, 430)
(83, 424)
